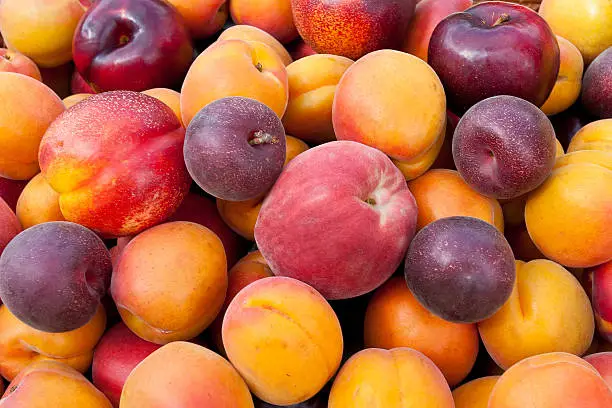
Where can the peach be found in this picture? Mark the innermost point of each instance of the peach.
(235, 68)
(394, 318)
(312, 85)
(187, 375)
(548, 311)
(475, 394)
(38, 203)
(569, 80)
(116, 192)
(601, 286)
(283, 338)
(9, 225)
(72, 100)
(551, 380)
(273, 16)
(568, 215)
(21, 345)
(156, 303)
(594, 136)
(10, 190)
(203, 18)
(250, 33)
(433, 189)
(395, 378)
(603, 364)
(41, 30)
(26, 111)
(394, 102)
(13, 61)
(168, 96)
(427, 15)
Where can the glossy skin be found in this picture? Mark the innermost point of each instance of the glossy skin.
(235, 148)
(475, 394)
(118, 352)
(9, 225)
(38, 203)
(359, 194)
(53, 275)
(504, 147)
(461, 269)
(272, 16)
(597, 86)
(521, 57)
(111, 59)
(79, 85)
(352, 28)
(602, 299)
(10, 190)
(13, 61)
(603, 364)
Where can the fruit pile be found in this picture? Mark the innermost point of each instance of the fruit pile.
(305, 203)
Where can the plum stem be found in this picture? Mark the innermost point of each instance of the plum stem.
(504, 18)
(261, 137)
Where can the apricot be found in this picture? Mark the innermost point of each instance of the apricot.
(187, 375)
(283, 338)
(397, 378)
(9, 225)
(13, 61)
(250, 33)
(475, 394)
(594, 136)
(394, 318)
(38, 203)
(72, 100)
(168, 96)
(394, 102)
(548, 311)
(568, 216)
(569, 80)
(27, 108)
(41, 30)
(21, 345)
(273, 16)
(551, 380)
(312, 85)
(235, 68)
(203, 18)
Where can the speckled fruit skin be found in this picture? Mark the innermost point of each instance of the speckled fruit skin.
(346, 228)
(504, 147)
(461, 269)
(602, 299)
(597, 86)
(477, 59)
(53, 275)
(116, 192)
(113, 35)
(352, 28)
(9, 225)
(235, 148)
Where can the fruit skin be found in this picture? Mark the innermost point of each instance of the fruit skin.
(602, 299)
(474, 394)
(117, 354)
(603, 364)
(203, 18)
(46, 384)
(394, 378)
(394, 102)
(13, 61)
(250, 69)
(431, 192)
(116, 192)
(152, 301)
(460, 269)
(53, 275)
(594, 136)
(427, 15)
(79, 85)
(22, 345)
(353, 206)
(313, 81)
(111, 58)
(72, 100)
(9, 225)
(283, 338)
(250, 33)
(551, 380)
(568, 215)
(236, 159)
(10, 190)
(299, 49)
(168, 96)
(41, 30)
(504, 147)
(195, 377)
(520, 57)
(597, 86)
(26, 112)
(534, 321)
(352, 28)
(394, 318)
(586, 24)
(38, 203)
(273, 16)
(569, 80)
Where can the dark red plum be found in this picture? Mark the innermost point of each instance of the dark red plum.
(10, 190)
(569, 122)
(53, 276)
(504, 147)
(235, 148)
(494, 48)
(597, 86)
(461, 269)
(132, 45)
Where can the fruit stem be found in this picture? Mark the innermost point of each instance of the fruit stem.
(504, 18)
(261, 137)
(370, 201)
(6, 57)
(259, 67)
